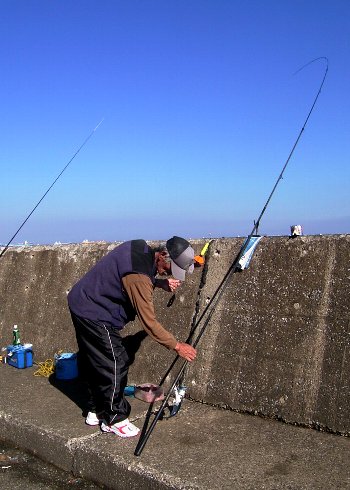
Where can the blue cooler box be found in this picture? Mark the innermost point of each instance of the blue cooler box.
(19, 356)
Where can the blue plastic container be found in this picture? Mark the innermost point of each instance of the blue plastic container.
(66, 365)
(20, 356)
(129, 390)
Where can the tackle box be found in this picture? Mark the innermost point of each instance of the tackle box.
(20, 356)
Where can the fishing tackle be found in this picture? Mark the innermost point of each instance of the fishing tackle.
(178, 395)
(210, 307)
(47, 191)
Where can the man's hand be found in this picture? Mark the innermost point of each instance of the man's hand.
(168, 285)
(173, 284)
(186, 351)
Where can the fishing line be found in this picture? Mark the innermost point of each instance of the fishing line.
(47, 191)
(210, 307)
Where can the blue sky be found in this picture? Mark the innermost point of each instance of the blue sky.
(200, 107)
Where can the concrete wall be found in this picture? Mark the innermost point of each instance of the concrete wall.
(277, 344)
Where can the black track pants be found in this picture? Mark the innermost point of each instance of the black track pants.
(103, 365)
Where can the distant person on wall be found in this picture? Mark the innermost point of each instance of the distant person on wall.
(119, 287)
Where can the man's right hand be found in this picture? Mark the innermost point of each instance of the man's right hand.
(186, 351)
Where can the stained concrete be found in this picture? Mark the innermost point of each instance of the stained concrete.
(35, 282)
(277, 344)
(279, 341)
(201, 448)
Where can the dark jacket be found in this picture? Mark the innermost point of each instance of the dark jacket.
(99, 295)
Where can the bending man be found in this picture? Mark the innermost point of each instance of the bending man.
(119, 287)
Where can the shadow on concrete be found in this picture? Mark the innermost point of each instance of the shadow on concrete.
(77, 390)
(132, 343)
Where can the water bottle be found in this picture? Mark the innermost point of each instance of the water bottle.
(16, 337)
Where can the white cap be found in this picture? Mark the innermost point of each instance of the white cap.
(181, 257)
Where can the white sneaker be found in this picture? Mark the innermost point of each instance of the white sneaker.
(121, 429)
(92, 419)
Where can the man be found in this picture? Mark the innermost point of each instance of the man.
(119, 287)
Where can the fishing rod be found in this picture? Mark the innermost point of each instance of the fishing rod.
(257, 222)
(48, 190)
(146, 432)
(210, 308)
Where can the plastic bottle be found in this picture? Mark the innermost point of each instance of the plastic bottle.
(16, 337)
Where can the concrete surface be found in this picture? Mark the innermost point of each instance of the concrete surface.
(23, 471)
(279, 341)
(201, 448)
(277, 345)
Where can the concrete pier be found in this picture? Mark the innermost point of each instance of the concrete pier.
(268, 393)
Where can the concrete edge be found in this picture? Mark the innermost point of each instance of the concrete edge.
(77, 456)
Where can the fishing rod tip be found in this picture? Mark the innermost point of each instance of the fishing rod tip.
(312, 61)
(99, 124)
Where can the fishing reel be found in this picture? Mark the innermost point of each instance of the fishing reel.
(172, 407)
